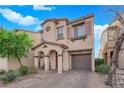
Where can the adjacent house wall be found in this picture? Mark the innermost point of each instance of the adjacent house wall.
(13, 63)
(3, 64)
(107, 45)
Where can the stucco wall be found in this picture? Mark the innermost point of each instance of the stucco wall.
(51, 35)
(36, 36)
(27, 61)
(3, 64)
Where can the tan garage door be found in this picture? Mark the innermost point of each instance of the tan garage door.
(81, 62)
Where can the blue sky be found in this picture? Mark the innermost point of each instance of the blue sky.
(29, 17)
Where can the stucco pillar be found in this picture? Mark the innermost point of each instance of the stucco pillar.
(36, 60)
(93, 62)
(70, 62)
(65, 61)
(46, 62)
(59, 63)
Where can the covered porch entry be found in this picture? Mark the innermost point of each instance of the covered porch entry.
(49, 56)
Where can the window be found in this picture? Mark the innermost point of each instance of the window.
(60, 31)
(79, 31)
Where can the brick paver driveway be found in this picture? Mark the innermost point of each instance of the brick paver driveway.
(69, 79)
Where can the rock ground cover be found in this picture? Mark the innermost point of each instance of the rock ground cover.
(69, 79)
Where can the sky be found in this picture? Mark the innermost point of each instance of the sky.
(29, 17)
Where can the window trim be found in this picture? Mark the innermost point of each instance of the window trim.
(78, 31)
(57, 33)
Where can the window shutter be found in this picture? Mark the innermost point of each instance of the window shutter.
(88, 27)
(68, 33)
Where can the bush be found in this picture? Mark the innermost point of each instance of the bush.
(33, 69)
(99, 61)
(103, 68)
(23, 70)
(9, 76)
(2, 72)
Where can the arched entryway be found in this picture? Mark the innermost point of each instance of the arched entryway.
(53, 59)
(41, 60)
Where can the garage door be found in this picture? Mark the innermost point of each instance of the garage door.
(81, 62)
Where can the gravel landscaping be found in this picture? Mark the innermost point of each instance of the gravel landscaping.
(69, 79)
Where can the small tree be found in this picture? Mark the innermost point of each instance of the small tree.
(22, 43)
(14, 44)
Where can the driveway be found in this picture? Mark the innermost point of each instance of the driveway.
(69, 79)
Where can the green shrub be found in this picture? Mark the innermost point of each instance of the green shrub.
(23, 70)
(2, 72)
(9, 76)
(103, 68)
(99, 61)
(33, 69)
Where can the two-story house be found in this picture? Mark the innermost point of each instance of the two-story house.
(108, 41)
(66, 44)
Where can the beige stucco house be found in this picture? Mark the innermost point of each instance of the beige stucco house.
(108, 40)
(62, 45)
(66, 44)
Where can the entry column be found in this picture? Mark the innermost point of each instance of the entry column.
(60, 63)
(36, 61)
(46, 63)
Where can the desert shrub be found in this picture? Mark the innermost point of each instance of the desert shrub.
(33, 69)
(17, 73)
(99, 61)
(2, 72)
(23, 70)
(103, 68)
(9, 76)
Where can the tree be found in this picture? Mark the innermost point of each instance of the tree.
(22, 43)
(119, 15)
(14, 44)
(4, 43)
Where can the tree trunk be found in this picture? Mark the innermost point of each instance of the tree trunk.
(19, 60)
(114, 61)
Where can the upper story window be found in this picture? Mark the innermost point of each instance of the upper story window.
(60, 32)
(79, 31)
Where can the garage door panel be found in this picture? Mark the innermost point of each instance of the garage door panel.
(81, 62)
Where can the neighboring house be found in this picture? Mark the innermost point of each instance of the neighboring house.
(12, 63)
(66, 44)
(108, 40)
